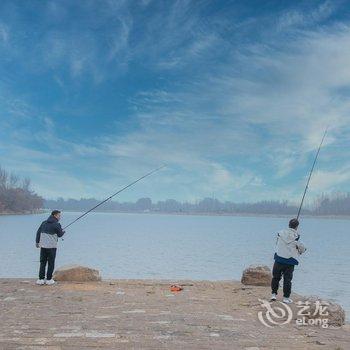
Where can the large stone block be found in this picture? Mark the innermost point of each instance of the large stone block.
(257, 275)
(314, 310)
(76, 273)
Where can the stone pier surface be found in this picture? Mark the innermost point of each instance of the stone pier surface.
(144, 314)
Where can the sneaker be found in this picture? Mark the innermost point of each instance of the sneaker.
(273, 297)
(287, 300)
(50, 282)
(40, 282)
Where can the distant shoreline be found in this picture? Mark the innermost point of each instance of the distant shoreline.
(344, 217)
(43, 211)
(23, 213)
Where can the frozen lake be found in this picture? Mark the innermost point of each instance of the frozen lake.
(184, 247)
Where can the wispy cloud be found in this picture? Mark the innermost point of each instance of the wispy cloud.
(300, 18)
(4, 33)
(329, 181)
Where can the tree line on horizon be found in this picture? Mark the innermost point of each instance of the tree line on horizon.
(207, 205)
(16, 195)
(338, 204)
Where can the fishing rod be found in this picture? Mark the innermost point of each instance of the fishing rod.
(311, 171)
(113, 195)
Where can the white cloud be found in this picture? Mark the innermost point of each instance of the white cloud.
(298, 17)
(323, 181)
(4, 33)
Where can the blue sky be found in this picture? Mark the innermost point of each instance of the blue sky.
(232, 95)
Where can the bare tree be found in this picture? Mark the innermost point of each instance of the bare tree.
(3, 178)
(16, 196)
(13, 181)
(26, 184)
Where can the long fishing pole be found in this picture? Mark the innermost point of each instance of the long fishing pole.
(311, 171)
(113, 195)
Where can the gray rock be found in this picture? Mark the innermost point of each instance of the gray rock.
(317, 309)
(76, 273)
(257, 275)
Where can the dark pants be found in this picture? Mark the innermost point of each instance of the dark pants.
(287, 272)
(47, 256)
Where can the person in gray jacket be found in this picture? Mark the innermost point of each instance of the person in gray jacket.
(46, 239)
(288, 250)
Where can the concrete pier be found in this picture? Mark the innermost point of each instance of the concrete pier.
(144, 314)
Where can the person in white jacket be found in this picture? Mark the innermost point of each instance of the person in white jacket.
(288, 250)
